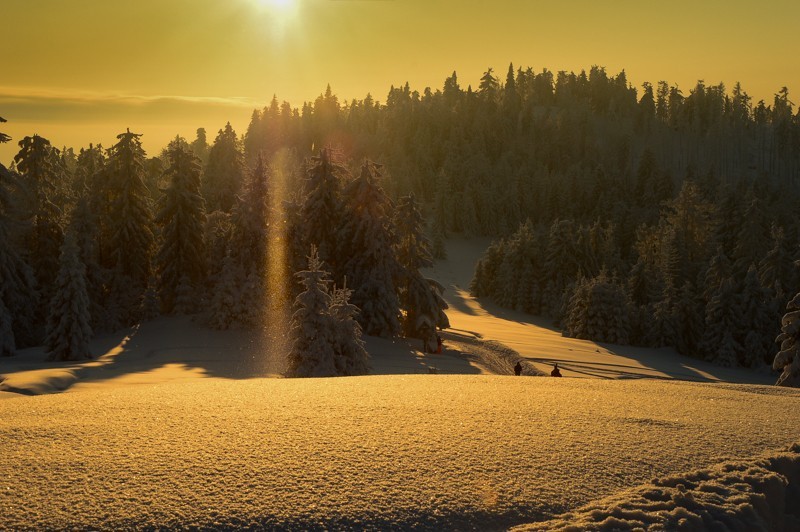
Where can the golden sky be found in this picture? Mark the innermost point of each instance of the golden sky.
(79, 71)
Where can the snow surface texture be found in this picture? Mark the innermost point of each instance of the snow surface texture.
(427, 451)
(541, 345)
(759, 494)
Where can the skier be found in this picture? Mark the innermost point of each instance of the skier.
(555, 372)
(518, 369)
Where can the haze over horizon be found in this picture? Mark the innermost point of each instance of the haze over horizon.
(82, 71)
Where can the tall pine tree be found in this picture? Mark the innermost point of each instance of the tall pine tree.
(182, 217)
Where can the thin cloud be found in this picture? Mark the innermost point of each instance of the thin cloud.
(36, 104)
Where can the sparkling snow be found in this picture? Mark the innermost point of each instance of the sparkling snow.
(427, 450)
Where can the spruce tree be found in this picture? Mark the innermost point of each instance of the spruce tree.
(224, 172)
(131, 240)
(755, 321)
(313, 352)
(351, 354)
(690, 320)
(722, 318)
(182, 216)
(250, 221)
(369, 262)
(320, 209)
(418, 296)
(18, 291)
(788, 358)
(69, 322)
(39, 167)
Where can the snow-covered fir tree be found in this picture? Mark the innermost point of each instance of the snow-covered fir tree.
(69, 322)
(722, 316)
(350, 351)
(320, 210)
(250, 220)
(418, 296)
(131, 239)
(17, 281)
(41, 172)
(598, 310)
(227, 307)
(181, 257)
(368, 260)
(788, 358)
(313, 352)
(224, 172)
(755, 320)
(690, 321)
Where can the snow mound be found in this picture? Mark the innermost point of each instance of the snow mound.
(760, 494)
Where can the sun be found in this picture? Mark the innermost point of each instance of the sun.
(277, 4)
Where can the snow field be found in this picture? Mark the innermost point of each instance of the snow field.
(426, 451)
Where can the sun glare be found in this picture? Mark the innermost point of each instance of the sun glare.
(277, 4)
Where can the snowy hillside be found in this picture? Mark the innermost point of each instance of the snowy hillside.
(429, 451)
(537, 341)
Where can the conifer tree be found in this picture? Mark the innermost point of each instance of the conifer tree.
(776, 269)
(250, 220)
(722, 317)
(69, 322)
(18, 293)
(320, 209)
(369, 261)
(131, 240)
(755, 320)
(38, 164)
(181, 214)
(753, 238)
(788, 358)
(313, 352)
(224, 172)
(227, 307)
(351, 354)
(418, 296)
(690, 320)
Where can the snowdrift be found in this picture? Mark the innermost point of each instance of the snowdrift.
(758, 494)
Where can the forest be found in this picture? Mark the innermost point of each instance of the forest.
(628, 215)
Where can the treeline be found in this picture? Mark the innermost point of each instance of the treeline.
(103, 239)
(544, 145)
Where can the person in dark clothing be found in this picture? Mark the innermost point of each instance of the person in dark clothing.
(555, 372)
(518, 369)
(438, 344)
(425, 332)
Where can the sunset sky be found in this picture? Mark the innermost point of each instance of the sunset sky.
(80, 71)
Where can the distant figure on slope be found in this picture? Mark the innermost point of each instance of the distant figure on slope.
(518, 369)
(425, 332)
(555, 372)
(438, 344)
